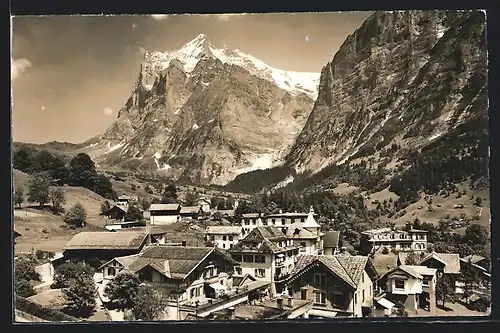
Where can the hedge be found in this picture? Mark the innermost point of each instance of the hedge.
(41, 311)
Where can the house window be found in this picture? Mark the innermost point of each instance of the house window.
(319, 279)
(370, 290)
(247, 258)
(363, 296)
(195, 292)
(425, 281)
(210, 272)
(273, 220)
(355, 298)
(302, 220)
(338, 300)
(230, 238)
(399, 284)
(111, 271)
(247, 222)
(363, 277)
(223, 246)
(283, 221)
(259, 272)
(260, 259)
(319, 298)
(238, 271)
(303, 294)
(223, 238)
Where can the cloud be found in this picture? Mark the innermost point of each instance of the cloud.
(18, 67)
(108, 111)
(227, 17)
(159, 17)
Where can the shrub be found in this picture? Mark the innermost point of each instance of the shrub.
(41, 311)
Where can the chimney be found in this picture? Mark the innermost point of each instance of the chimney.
(290, 301)
(279, 300)
(183, 243)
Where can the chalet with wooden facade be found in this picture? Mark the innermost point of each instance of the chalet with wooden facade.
(194, 280)
(445, 263)
(191, 212)
(339, 286)
(94, 248)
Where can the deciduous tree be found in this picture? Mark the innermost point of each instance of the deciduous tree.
(105, 206)
(58, 198)
(76, 215)
(133, 214)
(148, 305)
(80, 296)
(19, 196)
(38, 188)
(123, 289)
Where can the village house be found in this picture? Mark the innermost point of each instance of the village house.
(285, 219)
(339, 286)
(227, 213)
(204, 203)
(413, 286)
(280, 307)
(250, 221)
(224, 237)
(478, 266)
(94, 248)
(194, 280)
(266, 254)
(126, 200)
(117, 212)
(393, 239)
(309, 240)
(161, 214)
(331, 241)
(445, 263)
(191, 212)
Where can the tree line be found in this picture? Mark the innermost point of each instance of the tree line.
(79, 171)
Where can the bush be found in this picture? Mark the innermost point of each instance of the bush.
(481, 305)
(40, 311)
(23, 288)
(41, 254)
(68, 272)
(24, 269)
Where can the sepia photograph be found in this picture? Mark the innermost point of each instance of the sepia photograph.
(250, 166)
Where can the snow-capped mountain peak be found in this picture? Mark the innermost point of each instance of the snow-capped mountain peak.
(192, 52)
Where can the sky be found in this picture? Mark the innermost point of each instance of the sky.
(71, 74)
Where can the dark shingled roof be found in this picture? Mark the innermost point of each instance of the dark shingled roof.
(451, 261)
(175, 262)
(331, 239)
(264, 236)
(106, 240)
(346, 267)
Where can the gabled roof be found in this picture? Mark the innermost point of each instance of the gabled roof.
(190, 209)
(331, 239)
(348, 268)
(267, 232)
(414, 270)
(163, 207)
(310, 221)
(450, 260)
(118, 207)
(204, 200)
(265, 237)
(223, 230)
(296, 231)
(106, 240)
(473, 258)
(176, 262)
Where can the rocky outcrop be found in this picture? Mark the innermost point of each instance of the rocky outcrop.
(402, 77)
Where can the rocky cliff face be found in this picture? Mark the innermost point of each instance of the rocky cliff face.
(207, 114)
(402, 77)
